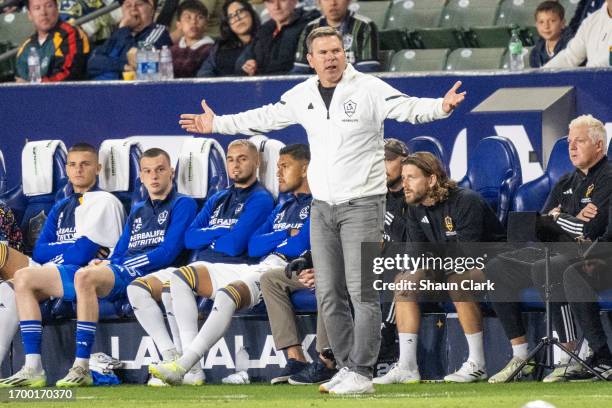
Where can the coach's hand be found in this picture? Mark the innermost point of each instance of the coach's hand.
(452, 99)
(202, 123)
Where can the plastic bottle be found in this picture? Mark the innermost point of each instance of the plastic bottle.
(34, 65)
(166, 69)
(141, 63)
(153, 63)
(515, 48)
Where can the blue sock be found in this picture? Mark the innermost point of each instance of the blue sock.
(31, 335)
(85, 335)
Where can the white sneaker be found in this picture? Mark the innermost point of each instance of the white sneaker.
(562, 372)
(397, 375)
(195, 376)
(353, 383)
(335, 380)
(504, 374)
(239, 378)
(469, 372)
(156, 382)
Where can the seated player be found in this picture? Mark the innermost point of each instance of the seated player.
(579, 205)
(441, 212)
(56, 243)
(151, 239)
(220, 233)
(284, 236)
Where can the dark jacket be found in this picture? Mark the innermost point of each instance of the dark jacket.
(63, 54)
(539, 56)
(108, 60)
(224, 59)
(275, 50)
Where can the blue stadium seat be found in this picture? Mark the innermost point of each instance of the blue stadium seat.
(428, 144)
(32, 209)
(496, 180)
(2, 174)
(116, 155)
(304, 301)
(609, 153)
(605, 300)
(532, 195)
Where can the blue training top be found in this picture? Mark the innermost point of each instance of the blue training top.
(274, 235)
(56, 242)
(153, 234)
(221, 232)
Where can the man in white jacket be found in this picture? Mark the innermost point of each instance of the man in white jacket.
(592, 42)
(342, 111)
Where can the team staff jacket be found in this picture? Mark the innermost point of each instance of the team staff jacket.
(275, 234)
(222, 229)
(574, 191)
(360, 38)
(463, 217)
(63, 54)
(395, 221)
(153, 234)
(346, 141)
(56, 242)
(109, 59)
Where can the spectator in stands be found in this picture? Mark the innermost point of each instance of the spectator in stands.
(350, 196)
(194, 46)
(10, 233)
(440, 212)
(359, 33)
(554, 36)
(61, 47)
(118, 53)
(578, 205)
(219, 235)
(238, 27)
(584, 9)
(583, 281)
(167, 16)
(276, 42)
(591, 43)
(56, 244)
(151, 239)
(99, 29)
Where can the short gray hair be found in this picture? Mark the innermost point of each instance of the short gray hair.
(595, 128)
(322, 32)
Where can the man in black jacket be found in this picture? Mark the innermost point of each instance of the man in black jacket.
(578, 204)
(273, 49)
(440, 212)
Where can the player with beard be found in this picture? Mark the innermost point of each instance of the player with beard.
(219, 234)
(440, 212)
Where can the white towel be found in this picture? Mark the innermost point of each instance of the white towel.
(269, 151)
(37, 166)
(192, 177)
(100, 218)
(114, 156)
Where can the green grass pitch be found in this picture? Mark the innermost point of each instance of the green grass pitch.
(433, 395)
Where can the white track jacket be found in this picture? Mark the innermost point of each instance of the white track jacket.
(346, 142)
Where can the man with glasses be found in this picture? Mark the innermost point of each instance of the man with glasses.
(118, 53)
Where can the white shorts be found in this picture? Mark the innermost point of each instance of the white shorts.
(222, 274)
(163, 275)
(32, 263)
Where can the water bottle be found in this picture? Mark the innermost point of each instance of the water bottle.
(141, 62)
(166, 70)
(34, 65)
(153, 63)
(515, 48)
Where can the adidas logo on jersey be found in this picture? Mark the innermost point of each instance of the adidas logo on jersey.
(569, 191)
(425, 220)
